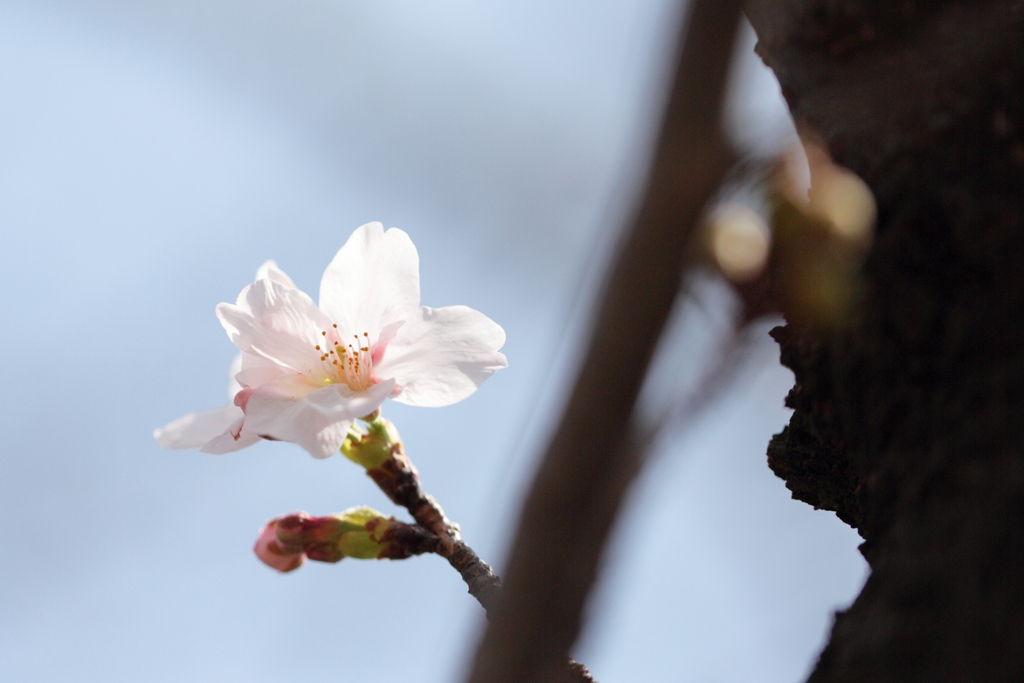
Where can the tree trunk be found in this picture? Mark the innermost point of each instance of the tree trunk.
(909, 417)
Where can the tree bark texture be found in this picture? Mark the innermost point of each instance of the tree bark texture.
(909, 417)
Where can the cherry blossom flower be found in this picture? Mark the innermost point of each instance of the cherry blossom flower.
(307, 372)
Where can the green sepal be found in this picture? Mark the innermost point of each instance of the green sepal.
(359, 545)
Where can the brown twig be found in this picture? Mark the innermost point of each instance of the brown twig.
(398, 478)
(592, 458)
(400, 481)
(405, 540)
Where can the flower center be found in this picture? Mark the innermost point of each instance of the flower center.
(350, 363)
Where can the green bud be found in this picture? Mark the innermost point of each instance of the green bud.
(359, 518)
(360, 545)
(334, 537)
(374, 447)
(360, 532)
(358, 540)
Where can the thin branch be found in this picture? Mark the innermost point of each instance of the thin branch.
(591, 458)
(400, 481)
(398, 478)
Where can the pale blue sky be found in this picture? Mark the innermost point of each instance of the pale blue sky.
(153, 154)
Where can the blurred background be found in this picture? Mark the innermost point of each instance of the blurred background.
(153, 154)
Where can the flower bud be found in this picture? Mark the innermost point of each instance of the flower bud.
(360, 532)
(324, 539)
(273, 553)
(374, 447)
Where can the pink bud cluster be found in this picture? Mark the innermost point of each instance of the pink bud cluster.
(361, 533)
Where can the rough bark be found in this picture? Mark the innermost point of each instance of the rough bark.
(909, 417)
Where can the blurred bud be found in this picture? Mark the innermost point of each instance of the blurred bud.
(839, 198)
(822, 220)
(271, 552)
(739, 240)
(374, 447)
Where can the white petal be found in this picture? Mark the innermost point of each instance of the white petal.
(270, 271)
(226, 442)
(276, 322)
(441, 355)
(247, 361)
(256, 370)
(292, 409)
(373, 281)
(197, 429)
(236, 366)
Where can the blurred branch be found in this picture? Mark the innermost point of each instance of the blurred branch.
(718, 375)
(593, 456)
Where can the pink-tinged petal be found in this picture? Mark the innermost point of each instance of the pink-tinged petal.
(442, 355)
(241, 398)
(384, 337)
(197, 429)
(234, 439)
(271, 554)
(316, 418)
(276, 322)
(270, 271)
(373, 281)
(254, 377)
